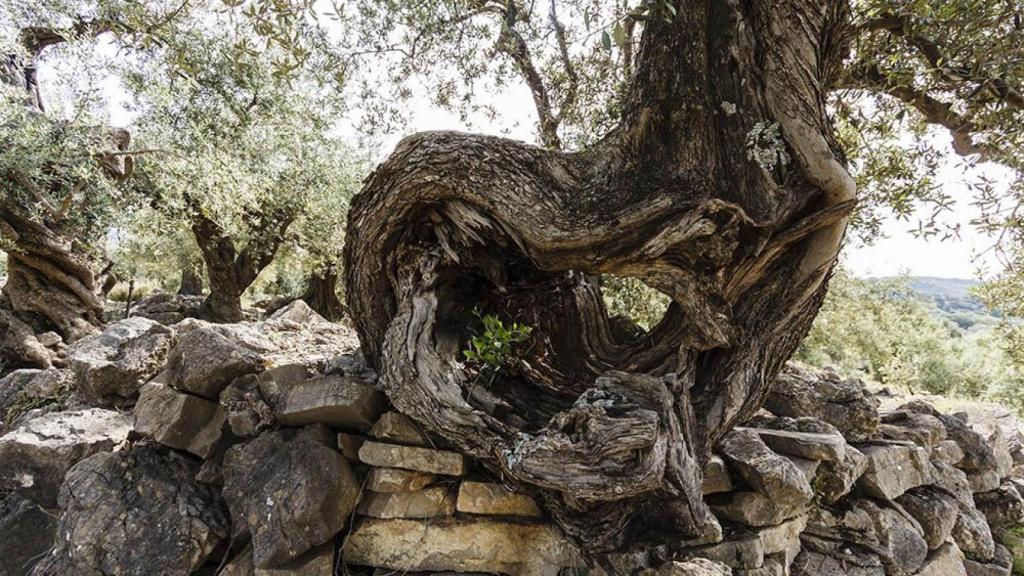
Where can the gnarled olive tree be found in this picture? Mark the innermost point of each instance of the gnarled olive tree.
(721, 187)
(56, 181)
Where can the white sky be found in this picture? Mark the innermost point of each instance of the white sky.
(896, 253)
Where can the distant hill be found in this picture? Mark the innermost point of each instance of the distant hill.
(952, 299)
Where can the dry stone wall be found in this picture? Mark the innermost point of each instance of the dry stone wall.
(264, 448)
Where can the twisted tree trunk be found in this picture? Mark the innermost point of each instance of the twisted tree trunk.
(47, 278)
(53, 282)
(191, 277)
(722, 188)
(322, 294)
(231, 269)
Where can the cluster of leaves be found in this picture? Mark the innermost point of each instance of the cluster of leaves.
(239, 145)
(879, 329)
(632, 298)
(492, 349)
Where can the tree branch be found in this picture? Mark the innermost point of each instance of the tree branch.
(934, 111)
(570, 70)
(903, 26)
(512, 43)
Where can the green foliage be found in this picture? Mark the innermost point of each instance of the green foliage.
(632, 298)
(492, 349)
(882, 331)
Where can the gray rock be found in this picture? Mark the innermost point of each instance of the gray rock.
(954, 481)
(36, 455)
(973, 535)
(982, 480)
(846, 404)
(349, 444)
(135, 512)
(1001, 564)
(205, 361)
(285, 479)
(179, 420)
(1002, 507)
(946, 561)
(248, 412)
(881, 527)
(751, 509)
(317, 562)
(397, 480)
(826, 558)
(922, 429)
(835, 479)
(768, 473)
(110, 367)
(716, 476)
(808, 445)
(948, 452)
(26, 535)
(894, 468)
(935, 510)
(740, 551)
(782, 539)
(29, 389)
(978, 454)
(343, 402)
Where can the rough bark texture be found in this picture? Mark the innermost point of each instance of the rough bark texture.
(191, 278)
(322, 294)
(229, 269)
(599, 423)
(52, 282)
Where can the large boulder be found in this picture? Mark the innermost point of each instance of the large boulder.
(28, 393)
(26, 535)
(36, 455)
(205, 361)
(922, 429)
(110, 367)
(946, 561)
(823, 557)
(765, 471)
(179, 420)
(836, 479)
(882, 527)
(283, 480)
(1000, 565)
(846, 404)
(1002, 507)
(894, 468)
(978, 453)
(342, 402)
(135, 512)
(935, 510)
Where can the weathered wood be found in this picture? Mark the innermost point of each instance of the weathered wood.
(721, 188)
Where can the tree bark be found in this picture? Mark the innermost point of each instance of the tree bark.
(52, 281)
(48, 279)
(191, 278)
(722, 188)
(322, 294)
(231, 270)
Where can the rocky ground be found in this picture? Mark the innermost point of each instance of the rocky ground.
(170, 446)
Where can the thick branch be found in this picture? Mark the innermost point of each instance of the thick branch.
(512, 43)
